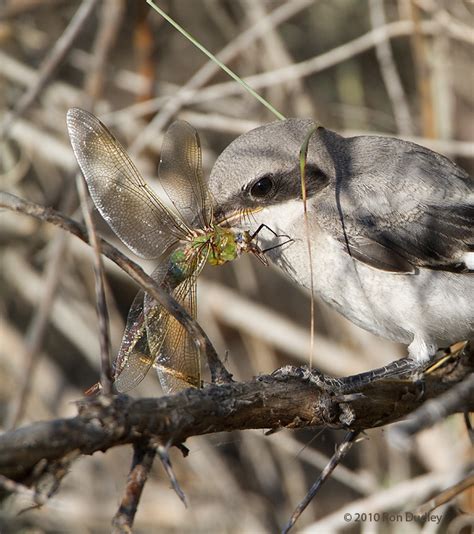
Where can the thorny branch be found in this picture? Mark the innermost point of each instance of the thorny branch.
(101, 302)
(143, 456)
(266, 402)
(337, 457)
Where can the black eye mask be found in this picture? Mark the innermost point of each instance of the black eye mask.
(275, 188)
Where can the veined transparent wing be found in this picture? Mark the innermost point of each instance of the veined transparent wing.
(152, 335)
(121, 195)
(133, 360)
(180, 173)
(177, 359)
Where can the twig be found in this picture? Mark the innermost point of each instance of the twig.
(218, 372)
(362, 483)
(166, 462)
(101, 302)
(445, 496)
(15, 487)
(435, 410)
(38, 142)
(110, 20)
(276, 55)
(457, 29)
(318, 63)
(444, 94)
(143, 457)
(29, 286)
(45, 476)
(12, 10)
(144, 47)
(389, 72)
(53, 60)
(305, 68)
(25, 76)
(37, 328)
(298, 70)
(336, 459)
(217, 122)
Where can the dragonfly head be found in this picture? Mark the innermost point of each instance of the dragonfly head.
(246, 243)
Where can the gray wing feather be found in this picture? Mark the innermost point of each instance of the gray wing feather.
(420, 213)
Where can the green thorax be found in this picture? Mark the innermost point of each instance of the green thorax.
(179, 268)
(221, 243)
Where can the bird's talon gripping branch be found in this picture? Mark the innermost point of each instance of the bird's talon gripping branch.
(420, 386)
(288, 371)
(312, 376)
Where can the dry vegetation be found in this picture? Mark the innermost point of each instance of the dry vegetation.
(395, 67)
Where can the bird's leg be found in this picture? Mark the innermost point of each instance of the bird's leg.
(421, 352)
(326, 383)
(420, 356)
(397, 368)
(422, 360)
(352, 383)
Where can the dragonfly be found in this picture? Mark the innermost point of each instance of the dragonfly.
(182, 241)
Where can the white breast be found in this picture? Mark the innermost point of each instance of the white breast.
(435, 306)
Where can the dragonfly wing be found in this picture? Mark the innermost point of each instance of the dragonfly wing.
(134, 358)
(121, 195)
(181, 175)
(177, 358)
(178, 363)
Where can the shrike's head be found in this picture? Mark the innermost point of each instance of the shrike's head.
(259, 173)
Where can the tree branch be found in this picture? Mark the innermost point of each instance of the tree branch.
(266, 402)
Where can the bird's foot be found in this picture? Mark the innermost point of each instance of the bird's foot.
(347, 384)
(313, 376)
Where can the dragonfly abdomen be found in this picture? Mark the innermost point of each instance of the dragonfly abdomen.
(181, 265)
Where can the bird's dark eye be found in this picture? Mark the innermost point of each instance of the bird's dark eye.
(263, 187)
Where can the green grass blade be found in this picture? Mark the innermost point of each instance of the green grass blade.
(213, 58)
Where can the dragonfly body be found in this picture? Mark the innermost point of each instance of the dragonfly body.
(181, 242)
(224, 244)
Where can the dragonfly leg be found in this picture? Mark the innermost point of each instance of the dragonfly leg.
(261, 227)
